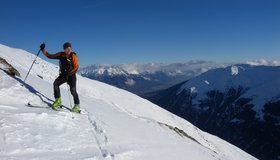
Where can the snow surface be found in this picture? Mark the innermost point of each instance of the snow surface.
(115, 124)
(234, 70)
(206, 82)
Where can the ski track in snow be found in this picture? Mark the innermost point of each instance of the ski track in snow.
(97, 130)
(99, 134)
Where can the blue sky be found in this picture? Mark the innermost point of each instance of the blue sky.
(128, 31)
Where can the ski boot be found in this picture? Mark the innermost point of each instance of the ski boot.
(76, 108)
(57, 103)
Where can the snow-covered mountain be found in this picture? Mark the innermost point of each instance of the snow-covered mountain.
(143, 78)
(264, 62)
(114, 124)
(239, 103)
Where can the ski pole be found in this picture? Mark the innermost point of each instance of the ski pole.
(68, 91)
(31, 66)
(69, 96)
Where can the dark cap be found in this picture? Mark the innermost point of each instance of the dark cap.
(66, 45)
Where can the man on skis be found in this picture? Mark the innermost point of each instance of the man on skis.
(68, 63)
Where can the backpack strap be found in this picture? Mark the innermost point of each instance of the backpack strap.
(71, 55)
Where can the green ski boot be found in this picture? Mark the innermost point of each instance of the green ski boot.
(76, 108)
(57, 103)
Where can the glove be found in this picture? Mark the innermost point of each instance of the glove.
(42, 46)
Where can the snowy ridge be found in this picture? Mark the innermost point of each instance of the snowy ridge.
(115, 124)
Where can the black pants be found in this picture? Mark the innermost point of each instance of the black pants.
(71, 80)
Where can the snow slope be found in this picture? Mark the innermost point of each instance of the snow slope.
(115, 124)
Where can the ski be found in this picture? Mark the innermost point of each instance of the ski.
(37, 106)
(29, 104)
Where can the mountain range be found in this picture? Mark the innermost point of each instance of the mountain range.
(144, 78)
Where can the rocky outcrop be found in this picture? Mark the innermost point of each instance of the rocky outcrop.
(8, 68)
